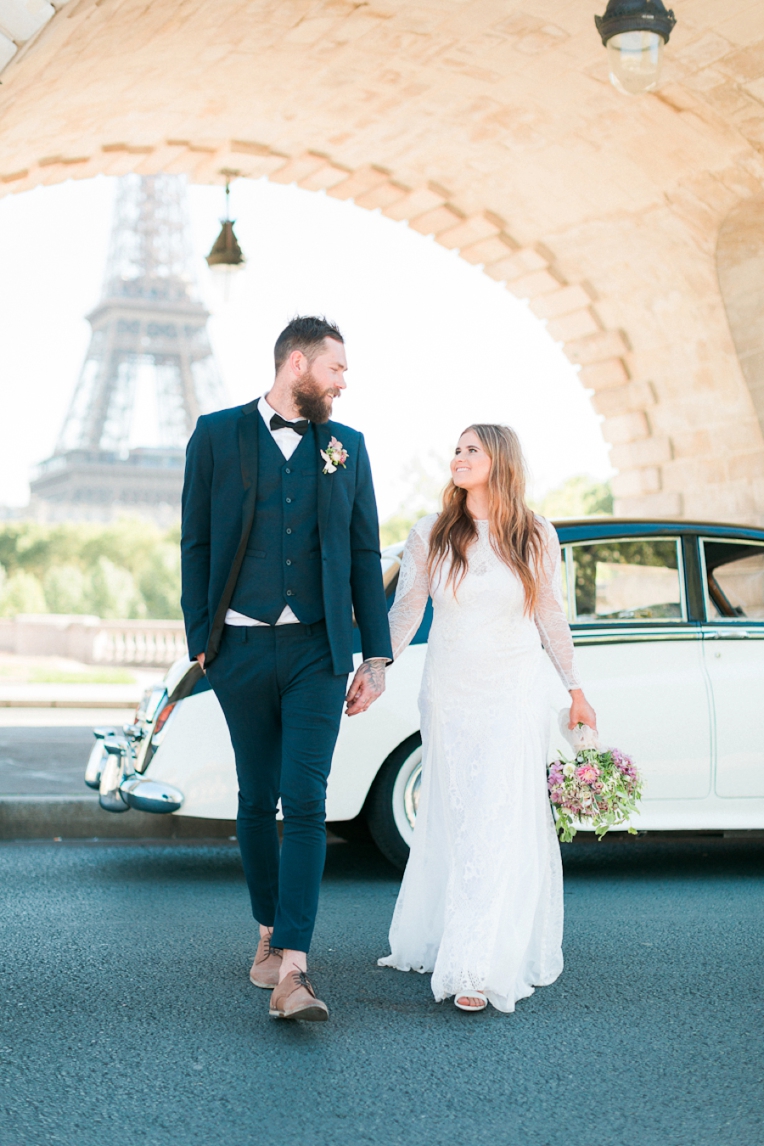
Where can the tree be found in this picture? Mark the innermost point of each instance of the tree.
(579, 496)
(64, 587)
(160, 583)
(110, 592)
(21, 593)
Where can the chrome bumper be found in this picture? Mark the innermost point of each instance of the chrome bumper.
(150, 795)
(111, 769)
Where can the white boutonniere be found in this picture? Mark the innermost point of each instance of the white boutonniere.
(334, 455)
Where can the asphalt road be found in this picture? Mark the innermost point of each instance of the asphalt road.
(128, 1018)
(44, 761)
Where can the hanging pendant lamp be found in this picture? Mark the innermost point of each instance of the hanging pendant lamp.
(634, 33)
(226, 254)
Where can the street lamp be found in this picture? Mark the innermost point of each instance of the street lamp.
(634, 32)
(226, 254)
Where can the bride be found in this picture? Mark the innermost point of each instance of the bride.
(481, 901)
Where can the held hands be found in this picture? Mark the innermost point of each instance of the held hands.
(200, 659)
(581, 712)
(367, 684)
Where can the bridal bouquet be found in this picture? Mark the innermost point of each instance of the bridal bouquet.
(599, 785)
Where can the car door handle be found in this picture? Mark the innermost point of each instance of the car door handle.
(725, 634)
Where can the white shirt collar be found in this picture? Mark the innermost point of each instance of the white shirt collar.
(267, 412)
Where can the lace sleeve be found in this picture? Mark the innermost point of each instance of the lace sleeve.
(550, 618)
(411, 593)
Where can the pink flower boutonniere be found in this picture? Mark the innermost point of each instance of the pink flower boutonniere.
(334, 455)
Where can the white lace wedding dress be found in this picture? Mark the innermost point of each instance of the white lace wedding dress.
(481, 901)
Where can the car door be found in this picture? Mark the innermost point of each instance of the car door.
(733, 647)
(641, 659)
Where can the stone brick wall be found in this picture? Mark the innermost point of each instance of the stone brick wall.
(489, 127)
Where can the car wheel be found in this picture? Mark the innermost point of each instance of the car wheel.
(392, 803)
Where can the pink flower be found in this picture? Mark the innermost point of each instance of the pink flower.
(588, 773)
(334, 455)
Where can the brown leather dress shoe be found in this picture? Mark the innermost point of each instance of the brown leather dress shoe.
(267, 964)
(294, 998)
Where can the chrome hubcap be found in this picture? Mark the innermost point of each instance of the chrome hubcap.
(411, 794)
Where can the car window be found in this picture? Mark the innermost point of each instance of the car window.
(624, 581)
(734, 579)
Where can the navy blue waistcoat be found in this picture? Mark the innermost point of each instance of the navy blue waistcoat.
(220, 496)
(282, 563)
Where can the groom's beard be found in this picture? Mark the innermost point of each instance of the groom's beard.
(312, 400)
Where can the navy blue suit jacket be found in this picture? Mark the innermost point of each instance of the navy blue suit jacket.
(219, 494)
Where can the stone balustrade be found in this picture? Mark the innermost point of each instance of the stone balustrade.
(92, 640)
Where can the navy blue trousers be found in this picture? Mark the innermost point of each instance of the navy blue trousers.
(283, 704)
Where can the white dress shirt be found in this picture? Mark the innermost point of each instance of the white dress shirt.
(287, 441)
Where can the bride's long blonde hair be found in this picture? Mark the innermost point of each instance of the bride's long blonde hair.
(514, 529)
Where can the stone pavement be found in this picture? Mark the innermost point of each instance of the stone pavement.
(127, 1016)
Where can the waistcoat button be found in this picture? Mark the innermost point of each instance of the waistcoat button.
(287, 471)
(289, 501)
(289, 531)
(288, 561)
(290, 593)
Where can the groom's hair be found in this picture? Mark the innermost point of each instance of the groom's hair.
(306, 332)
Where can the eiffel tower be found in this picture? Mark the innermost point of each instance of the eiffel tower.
(147, 375)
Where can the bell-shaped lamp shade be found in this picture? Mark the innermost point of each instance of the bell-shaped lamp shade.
(634, 60)
(226, 254)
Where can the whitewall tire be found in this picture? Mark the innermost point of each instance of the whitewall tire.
(392, 803)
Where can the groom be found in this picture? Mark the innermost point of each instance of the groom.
(279, 546)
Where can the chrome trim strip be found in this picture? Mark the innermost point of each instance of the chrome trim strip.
(734, 634)
(629, 638)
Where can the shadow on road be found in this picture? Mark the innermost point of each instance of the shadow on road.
(657, 855)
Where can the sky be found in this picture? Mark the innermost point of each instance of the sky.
(433, 344)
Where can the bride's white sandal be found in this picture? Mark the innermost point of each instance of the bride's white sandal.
(470, 995)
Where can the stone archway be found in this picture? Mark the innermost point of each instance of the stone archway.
(493, 130)
(529, 271)
(740, 266)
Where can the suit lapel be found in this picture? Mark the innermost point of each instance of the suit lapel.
(248, 449)
(325, 481)
(247, 431)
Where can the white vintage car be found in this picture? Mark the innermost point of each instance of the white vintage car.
(668, 620)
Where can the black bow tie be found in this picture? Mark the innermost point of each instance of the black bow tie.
(300, 427)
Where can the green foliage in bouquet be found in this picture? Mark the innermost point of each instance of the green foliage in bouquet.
(600, 786)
